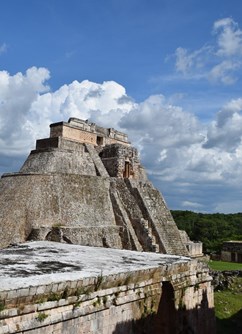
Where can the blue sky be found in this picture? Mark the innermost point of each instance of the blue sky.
(167, 72)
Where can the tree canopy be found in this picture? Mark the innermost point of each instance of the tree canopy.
(211, 229)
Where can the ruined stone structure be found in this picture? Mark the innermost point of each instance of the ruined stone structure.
(232, 251)
(68, 289)
(195, 249)
(85, 185)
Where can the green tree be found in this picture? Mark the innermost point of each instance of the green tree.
(210, 229)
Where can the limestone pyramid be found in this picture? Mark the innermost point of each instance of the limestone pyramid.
(85, 185)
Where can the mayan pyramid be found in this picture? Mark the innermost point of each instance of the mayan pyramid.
(85, 185)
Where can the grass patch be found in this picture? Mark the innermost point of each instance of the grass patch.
(54, 297)
(228, 311)
(221, 265)
(228, 307)
(98, 282)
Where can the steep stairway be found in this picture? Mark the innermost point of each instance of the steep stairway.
(159, 217)
(129, 215)
(101, 170)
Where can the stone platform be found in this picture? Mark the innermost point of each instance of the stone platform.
(36, 263)
(48, 287)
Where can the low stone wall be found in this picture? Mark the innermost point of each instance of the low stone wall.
(222, 280)
(55, 288)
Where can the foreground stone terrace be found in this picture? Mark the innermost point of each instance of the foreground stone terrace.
(46, 262)
(56, 288)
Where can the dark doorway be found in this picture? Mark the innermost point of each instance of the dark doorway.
(233, 257)
(127, 169)
(240, 258)
(99, 141)
(166, 319)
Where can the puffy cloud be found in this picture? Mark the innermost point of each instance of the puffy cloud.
(218, 61)
(187, 61)
(156, 122)
(189, 161)
(229, 37)
(224, 72)
(226, 131)
(27, 107)
(17, 93)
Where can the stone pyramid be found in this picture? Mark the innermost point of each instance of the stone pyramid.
(85, 185)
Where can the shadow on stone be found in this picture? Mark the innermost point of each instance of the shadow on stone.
(168, 320)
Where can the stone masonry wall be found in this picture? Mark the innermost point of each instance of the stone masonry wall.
(87, 210)
(59, 161)
(81, 136)
(73, 133)
(114, 158)
(174, 296)
(59, 155)
(133, 308)
(85, 132)
(30, 200)
(103, 236)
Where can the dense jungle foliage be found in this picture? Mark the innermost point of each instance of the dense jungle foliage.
(211, 229)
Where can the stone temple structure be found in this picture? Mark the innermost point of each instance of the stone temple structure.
(88, 245)
(232, 251)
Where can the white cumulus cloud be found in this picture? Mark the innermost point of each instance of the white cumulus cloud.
(226, 131)
(17, 93)
(218, 61)
(27, 106)
(229, 37)
(195, 165)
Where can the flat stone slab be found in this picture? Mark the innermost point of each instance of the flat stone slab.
(43, 262)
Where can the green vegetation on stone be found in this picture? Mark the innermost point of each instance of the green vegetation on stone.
(2, 306)
(41, 316)
(210, 229)
(98, 282)
(54, 297)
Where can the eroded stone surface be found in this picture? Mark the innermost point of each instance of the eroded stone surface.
(56, 288)
(23, 264)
